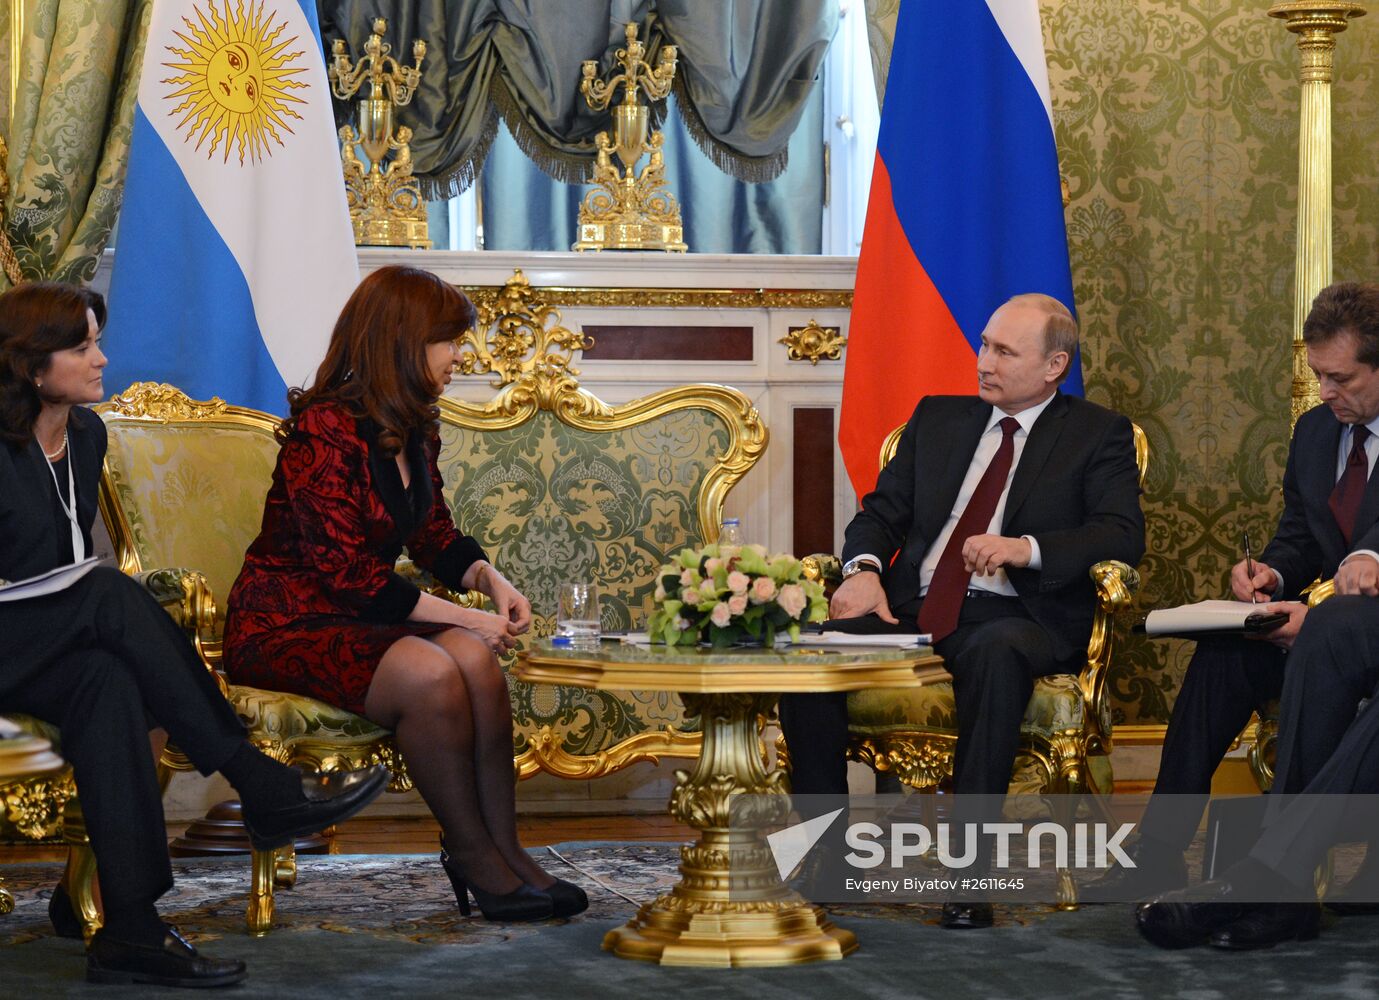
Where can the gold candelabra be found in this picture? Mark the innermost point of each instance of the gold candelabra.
(628, 210)
(1316, 23)
(386, 206)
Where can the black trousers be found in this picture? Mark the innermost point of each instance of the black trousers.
(1227, 679)
(105, 663)
(994, 655)
(1325, 748)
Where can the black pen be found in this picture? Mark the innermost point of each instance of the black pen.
(1249, 566)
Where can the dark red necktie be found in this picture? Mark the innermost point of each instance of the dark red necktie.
(938, 614)
(1350, 488)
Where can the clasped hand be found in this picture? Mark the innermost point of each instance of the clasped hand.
(511, 615)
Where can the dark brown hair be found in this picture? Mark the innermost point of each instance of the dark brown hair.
(37, 319)
(376, 362)
(1346, 306)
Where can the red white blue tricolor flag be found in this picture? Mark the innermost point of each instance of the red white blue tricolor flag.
(965, 211)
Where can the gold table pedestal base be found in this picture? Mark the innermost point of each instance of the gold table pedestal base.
(730, 907)
(794, 934)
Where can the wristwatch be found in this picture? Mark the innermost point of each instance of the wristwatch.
(859, 565)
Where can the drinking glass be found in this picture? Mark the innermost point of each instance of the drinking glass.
(577, 614)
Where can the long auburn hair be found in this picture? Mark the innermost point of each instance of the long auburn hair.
(36, 319)
(376, 362)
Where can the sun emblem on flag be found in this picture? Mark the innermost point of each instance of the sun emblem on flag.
(234, 79)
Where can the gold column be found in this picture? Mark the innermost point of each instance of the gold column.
(1316, 24)
(16, 50)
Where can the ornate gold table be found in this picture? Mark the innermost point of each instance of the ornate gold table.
(22, 756)
(760, 921)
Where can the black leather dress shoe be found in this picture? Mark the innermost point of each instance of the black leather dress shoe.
(966, 916)
(327, 798)
(1155, 872)
(174, 963)
(1266, 924)
(1188, 917)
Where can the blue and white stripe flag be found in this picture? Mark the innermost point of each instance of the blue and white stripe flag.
(234, 252)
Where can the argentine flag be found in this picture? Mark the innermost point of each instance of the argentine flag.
(234, 252)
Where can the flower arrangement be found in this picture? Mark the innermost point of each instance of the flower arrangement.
(723, 594)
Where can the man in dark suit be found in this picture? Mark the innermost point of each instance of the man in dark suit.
(981, 531)
(1330, 754)
(1329, 528)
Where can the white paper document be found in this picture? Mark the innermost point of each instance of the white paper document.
(1204, 616)
(48, 583)
(889, 640)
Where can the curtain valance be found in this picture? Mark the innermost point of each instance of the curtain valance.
(746, 68)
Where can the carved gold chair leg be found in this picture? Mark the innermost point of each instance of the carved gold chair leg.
(82, 889)
(285, 867)
(81, 869)
(1068, 786)
(259, 914)
(6, 899)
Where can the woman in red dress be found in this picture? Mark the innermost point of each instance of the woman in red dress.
(318, 609)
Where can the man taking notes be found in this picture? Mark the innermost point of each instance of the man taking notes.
(1329, 527)
(981, 531)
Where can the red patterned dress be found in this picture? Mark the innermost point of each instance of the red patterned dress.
(317, 603)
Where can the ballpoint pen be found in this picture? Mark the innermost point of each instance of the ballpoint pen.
(1249, 566)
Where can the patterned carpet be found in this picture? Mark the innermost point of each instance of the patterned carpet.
(384, 926)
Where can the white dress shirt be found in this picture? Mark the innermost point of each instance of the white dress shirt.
(987, 444)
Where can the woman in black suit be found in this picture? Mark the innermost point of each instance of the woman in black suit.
(104, 662)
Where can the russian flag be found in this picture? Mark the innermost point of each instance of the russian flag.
(234, 252)
(965, 211)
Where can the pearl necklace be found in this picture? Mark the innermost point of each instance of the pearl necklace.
(54, 456)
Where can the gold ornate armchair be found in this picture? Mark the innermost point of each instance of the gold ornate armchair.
(559, 485)
(1065, 737)
(182, 496)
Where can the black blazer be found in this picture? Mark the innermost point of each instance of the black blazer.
(1075, 490)
(29, 543)
(1308, 543)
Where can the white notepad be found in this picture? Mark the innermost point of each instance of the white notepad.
(48, 583)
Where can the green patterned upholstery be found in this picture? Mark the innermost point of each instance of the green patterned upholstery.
(1055, 706)
(550, 502)
(584, 491)
(192, 493)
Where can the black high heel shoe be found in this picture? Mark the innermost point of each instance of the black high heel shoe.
(521, 905)
(567, 898)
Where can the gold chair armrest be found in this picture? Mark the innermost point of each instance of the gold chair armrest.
(1319, 592)
(423, 580)
(823, 568)
(186, 596)
(1116, 583)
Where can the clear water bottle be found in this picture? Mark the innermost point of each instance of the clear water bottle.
(730, 532)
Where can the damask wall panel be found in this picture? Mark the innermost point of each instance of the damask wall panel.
(1177, 126)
